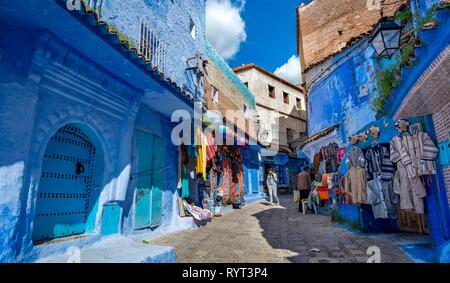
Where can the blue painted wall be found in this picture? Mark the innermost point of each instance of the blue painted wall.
(171, 20)
(335, 97)
(46, 84)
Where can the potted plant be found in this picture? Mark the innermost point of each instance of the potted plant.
(418, 43)
(443, 4)
(429, 22)
(412, 58)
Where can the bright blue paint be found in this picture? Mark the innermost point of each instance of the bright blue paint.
(111, 219)
(171, 21)
(335, 97)
(72, 75)
(62, 197)
(157, 182)
(420, 253)
(444, 153)
(90, 222)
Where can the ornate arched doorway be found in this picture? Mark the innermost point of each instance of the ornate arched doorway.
(63, 199)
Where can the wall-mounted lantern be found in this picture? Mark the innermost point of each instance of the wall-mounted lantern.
(386, 38)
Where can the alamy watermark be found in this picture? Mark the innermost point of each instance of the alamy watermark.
(73, 5)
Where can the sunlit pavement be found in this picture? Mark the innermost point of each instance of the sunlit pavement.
(262, 233)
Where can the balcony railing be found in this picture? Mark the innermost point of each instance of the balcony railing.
(151, 47)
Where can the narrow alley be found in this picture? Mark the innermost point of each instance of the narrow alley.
(278, 234)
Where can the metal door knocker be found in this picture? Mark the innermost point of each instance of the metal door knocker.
(79, 168)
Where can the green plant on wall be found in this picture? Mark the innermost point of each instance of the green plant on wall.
(122, 37)
(387, 82)
(429, 17)
(404, 17)
(388, 78)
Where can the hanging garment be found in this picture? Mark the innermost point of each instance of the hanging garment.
(212, 176)
(379, 163)
(192, 159)
(356, 185)
(179, 169)
(226, 177)
(423, 153)
(322, 168)
(417, 153)
(199, 162)
(204, 158)
(411, 191)
(211, 147)
(317, 160)
(355, 158)
(184, 181)
(241, 178)
(341, 154)
(381, 196)
(331, 153)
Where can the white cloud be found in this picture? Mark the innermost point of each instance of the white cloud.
(225, 28)
(290, 71)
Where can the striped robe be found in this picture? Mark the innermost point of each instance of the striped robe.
(379, 163)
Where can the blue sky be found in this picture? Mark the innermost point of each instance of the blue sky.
(255, 31)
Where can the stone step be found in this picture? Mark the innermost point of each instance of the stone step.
(115, 250)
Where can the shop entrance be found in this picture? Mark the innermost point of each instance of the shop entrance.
(64, 189)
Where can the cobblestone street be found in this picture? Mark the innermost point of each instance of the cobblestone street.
(275, 234)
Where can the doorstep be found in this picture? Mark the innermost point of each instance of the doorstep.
(115, 249)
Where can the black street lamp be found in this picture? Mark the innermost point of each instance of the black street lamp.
(386, 38)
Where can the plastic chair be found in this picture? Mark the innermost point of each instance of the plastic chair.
(304, 206)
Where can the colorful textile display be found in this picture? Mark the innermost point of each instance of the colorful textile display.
(241, 178)
(226, 177)
(211, 147)
(414, 156)
(317, 160)
(197, 212)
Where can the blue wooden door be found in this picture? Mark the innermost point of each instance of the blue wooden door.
(65, 184)
(148, 193)
(142, 195)
(157, 182)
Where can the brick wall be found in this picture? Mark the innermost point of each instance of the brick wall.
(326, 26)
(230, 98)
(441, 120)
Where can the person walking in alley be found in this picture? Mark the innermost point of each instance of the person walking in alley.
(272, 186)
(303, 186)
